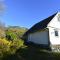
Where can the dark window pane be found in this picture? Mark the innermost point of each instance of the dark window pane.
(56, 33)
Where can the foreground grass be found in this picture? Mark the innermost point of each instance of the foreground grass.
(33, 53)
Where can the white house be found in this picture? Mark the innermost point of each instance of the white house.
(46, 32)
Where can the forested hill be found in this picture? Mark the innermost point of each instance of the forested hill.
(16, 30)
(17, 27)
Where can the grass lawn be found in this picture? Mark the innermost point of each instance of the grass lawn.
(33, 53)
(36, 53)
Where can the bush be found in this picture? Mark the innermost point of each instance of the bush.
(9, 47)
(16, 44)
(10, 35)
(4, 47)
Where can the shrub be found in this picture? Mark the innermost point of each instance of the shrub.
(9, 47)
(16, 44)
(4, 47)
(10, 35)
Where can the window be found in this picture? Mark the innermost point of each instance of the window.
(56, 33)
(58, 17)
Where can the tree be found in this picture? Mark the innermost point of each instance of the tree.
(2, 30)
(2, 25)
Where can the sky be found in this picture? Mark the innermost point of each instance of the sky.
(26, 13)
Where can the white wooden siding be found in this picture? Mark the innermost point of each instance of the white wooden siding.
(54, 24)
(39, 37)
(55, 40)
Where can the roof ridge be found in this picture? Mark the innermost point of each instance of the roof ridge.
(40, 25)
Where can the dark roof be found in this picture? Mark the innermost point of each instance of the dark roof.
(40, 25)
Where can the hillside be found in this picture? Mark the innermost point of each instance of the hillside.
(16, 30)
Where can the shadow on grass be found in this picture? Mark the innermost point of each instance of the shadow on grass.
(36, 53)
(33, 53)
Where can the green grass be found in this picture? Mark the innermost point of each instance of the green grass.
(36, 53)
(33, 53)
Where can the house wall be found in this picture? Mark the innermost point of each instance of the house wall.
(40, 37)
(54, 40)
(54, 24)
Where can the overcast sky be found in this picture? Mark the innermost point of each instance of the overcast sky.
(26, 13)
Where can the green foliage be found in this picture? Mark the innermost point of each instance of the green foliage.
(14, 32)
(10, 35)
(8, 47)
(10, 42)
(16, 44)
(13, 35)
(4, 47)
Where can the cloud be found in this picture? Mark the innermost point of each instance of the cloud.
(1, 0)
(2, 7)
